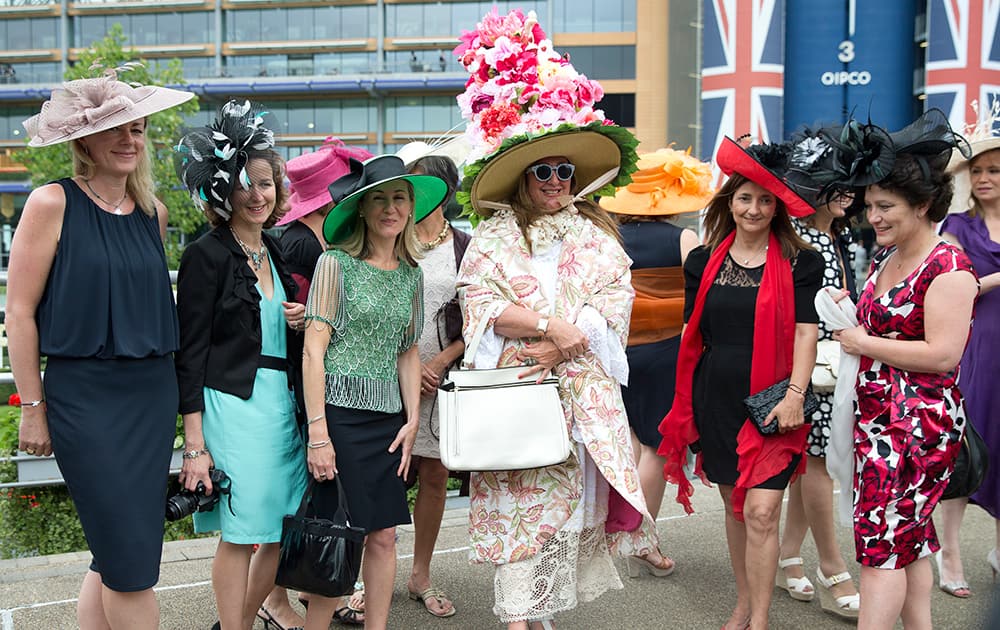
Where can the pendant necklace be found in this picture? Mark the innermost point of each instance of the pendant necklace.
(117, 206)
(256, 258)
(439, 239)
(746, 261)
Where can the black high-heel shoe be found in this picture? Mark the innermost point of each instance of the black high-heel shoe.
(265, 615)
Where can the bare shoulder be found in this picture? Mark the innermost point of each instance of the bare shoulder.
(46, 203)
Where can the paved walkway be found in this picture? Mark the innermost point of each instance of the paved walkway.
(39, 593)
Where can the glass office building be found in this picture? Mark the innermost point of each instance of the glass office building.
(375, 73)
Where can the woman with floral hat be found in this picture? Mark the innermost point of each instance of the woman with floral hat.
(547, 272)
(89, 289)
(239, 354)
(361, 366)
(750, 325)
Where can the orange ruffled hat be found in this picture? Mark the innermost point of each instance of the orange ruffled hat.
(668, 182)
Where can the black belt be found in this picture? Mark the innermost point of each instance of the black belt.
(273, 363)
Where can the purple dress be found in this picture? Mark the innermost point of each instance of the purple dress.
(981, 362)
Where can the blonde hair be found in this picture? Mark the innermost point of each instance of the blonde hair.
(407, 245)
(524, 212)
(138, 184)
(976, 208)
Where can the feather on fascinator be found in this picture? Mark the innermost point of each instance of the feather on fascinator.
(856, 155)
(211, 161)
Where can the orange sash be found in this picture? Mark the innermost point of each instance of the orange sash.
(658, 309)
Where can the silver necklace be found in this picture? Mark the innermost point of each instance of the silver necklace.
(438, 240)
(746, 261)
(117, 206)
(256, 258)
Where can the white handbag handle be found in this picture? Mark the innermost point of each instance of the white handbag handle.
(477, 336)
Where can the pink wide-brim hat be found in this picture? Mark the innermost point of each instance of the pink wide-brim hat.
(311, 174)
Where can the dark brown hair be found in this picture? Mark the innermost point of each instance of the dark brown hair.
(719, 222)
(920, 181)
(280, 191)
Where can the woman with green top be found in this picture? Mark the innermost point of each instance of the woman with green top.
(360, 365)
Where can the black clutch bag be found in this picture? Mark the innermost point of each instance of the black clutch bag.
(764, 401)
(318, 555)
(970, 465)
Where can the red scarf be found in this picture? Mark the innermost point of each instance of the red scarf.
(760, 458)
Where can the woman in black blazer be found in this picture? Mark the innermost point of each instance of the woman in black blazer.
(240, 356)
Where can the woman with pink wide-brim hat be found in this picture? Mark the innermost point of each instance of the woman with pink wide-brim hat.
(89, 290)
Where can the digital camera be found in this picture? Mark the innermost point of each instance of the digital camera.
(190, 501)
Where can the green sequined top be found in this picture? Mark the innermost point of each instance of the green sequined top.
(375, 315)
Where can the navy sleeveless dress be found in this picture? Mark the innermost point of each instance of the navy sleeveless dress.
(108, 327)
(652, 366)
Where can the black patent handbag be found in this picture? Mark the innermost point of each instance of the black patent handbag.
(970, 465)
(320, 555)
(760, 404)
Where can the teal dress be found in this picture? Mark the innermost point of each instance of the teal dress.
(256, 442)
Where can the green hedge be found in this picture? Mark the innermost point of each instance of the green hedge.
(42, 520)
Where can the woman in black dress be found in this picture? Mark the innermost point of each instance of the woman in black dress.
(658, 248)
(750, 324)
(89, 290)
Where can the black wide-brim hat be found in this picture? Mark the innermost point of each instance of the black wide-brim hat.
(732, 158)
(428, 193)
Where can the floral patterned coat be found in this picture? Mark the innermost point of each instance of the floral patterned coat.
(512, 513)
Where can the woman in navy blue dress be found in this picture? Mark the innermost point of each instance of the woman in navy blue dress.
(89, 290)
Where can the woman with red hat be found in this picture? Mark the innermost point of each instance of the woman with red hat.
(750, 324)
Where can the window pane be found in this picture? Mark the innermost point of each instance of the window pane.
(301, 119)
(18, 34)
(273, 24)
(195, 27)
(357, 21)
(300, 24)
(246, 26)
(619, 108)
(356, 117)
(43, 33)
(409, 21)
(143, 29)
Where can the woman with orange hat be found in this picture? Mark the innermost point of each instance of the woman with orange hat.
(668, 183)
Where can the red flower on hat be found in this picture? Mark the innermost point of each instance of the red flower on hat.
(498, 117)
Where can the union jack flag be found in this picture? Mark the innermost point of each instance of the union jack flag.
(963, 57)
(742, 71)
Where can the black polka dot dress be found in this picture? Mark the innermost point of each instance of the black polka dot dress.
(833, 276)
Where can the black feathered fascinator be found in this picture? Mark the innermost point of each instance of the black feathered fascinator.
(210, 161)
(849, 158)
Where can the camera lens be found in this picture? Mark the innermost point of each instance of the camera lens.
(180, 505)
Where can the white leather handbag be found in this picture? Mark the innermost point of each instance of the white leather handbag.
(491, 420)
(824, 374)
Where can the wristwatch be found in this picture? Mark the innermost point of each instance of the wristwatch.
(195, 453)
(542, 326)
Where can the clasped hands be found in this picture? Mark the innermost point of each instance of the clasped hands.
(563, 341)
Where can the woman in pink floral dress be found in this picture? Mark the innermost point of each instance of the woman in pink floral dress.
(915, 313)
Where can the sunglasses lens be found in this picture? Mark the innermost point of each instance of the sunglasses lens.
(542, 172)
(565, 171)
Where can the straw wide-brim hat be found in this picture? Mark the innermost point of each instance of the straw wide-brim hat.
(86, 106)
(667, 182)
(958, 166)
(732, 158)
(311, 174)
(593, 154)
(428, 193)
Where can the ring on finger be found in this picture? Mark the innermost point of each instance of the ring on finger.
(29, 451)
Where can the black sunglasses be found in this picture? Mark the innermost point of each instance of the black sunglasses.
(543, 172)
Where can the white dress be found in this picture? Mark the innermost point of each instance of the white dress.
(439, 270)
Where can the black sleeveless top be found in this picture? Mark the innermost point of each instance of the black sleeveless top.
(652, 244)
(108, 294)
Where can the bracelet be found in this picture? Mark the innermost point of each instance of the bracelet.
(33, 403)
(316, 418)
(195, 454)
(795, 388)
(319, 444)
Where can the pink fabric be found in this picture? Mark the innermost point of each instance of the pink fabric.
(622, 517)
(311, 174)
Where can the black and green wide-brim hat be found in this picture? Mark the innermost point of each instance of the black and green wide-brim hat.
(428, 193)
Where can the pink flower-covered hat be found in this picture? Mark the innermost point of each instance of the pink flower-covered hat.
(524, 102)
(311, 174)
(85, 106)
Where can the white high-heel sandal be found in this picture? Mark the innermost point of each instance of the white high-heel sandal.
(636, 566)
(800, 588)
(847, 606)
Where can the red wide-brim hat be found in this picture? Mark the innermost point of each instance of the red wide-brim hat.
(732, 158)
